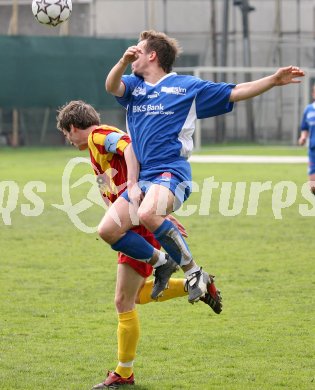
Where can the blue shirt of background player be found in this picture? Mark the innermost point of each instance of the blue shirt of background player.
(308, 124)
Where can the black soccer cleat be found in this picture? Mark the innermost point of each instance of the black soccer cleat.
(162, 275)
(213, 296)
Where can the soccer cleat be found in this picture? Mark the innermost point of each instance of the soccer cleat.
(197, 285)
(162, 275)
(213, 296)
(113, 381)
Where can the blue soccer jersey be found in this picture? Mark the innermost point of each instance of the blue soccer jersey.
(308, 123)
(161, 117)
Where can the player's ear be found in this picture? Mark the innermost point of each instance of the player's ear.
(152, 55)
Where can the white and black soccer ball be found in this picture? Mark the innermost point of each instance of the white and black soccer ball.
(52, 12)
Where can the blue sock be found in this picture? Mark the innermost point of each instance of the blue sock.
(173, 242)
(135, 246)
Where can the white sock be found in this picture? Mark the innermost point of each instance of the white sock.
(191, 271)
(161, 260)
(127, 364)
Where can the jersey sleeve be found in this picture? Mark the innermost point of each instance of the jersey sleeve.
(111, 141)
(213, 99)
(304, 123)
(130, 82)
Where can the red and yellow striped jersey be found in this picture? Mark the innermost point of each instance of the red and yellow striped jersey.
(109, 166)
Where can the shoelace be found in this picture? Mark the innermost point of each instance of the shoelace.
(195, 275)
(208, 294)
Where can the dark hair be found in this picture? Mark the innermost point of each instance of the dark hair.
(166, 48)
(77, 113)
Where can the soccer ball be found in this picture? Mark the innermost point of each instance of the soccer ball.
(52, 12)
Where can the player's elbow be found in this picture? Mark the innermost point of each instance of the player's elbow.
(109, 87)
(113, 88)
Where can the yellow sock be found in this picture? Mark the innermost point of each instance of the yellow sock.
(128, 332)
(124, 372)
(175, 289)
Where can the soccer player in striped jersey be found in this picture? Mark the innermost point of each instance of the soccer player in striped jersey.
(108, 148)
(308, 134)
(161, 109)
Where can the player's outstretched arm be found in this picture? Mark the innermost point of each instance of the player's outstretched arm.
(283, 76)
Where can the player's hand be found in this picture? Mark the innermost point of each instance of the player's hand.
(179, 226)
(302, 140)
(135, 195)
(288, 75)
(131, 55)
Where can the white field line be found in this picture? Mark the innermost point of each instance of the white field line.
(244, 159)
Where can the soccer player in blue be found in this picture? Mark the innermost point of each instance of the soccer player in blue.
(308, 133)
(161, 109)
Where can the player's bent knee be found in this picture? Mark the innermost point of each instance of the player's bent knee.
(106, 234)
(145, 216)
(119, 302)
(123, 303)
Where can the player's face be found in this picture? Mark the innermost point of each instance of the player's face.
(140, 64)
(76, 138)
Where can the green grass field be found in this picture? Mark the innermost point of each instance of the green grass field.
(253, 149)
(58, 320)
